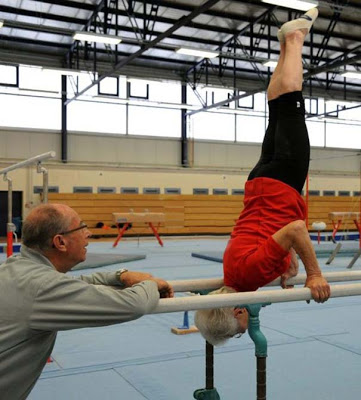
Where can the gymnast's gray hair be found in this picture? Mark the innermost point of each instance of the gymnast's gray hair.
(42, 224)
(217, 325)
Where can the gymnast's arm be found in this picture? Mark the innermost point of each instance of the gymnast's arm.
(295, 235)
(291, 272)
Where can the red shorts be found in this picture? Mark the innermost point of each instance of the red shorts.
(247, 268)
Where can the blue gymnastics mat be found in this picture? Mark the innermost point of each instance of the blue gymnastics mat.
(96, 260)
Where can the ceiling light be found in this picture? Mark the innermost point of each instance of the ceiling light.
(96, 37)
(270, 63)
(303, 5)
(351, 74)
(64, 71)
(197, 53)
(1, 23)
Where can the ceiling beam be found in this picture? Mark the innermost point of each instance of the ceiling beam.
(171, 21)
(181, 22)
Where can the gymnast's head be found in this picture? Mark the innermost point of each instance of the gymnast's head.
(217, 325)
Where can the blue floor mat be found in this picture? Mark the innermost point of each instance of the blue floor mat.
(105, 385)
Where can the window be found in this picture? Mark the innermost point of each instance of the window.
(106, 189)
(343, 136)
(9, 75)
(36, 112)
(82, 189)
(151, 121)
(218, 95)
(129, 190)
(329, 193)
(51, 189)
(311, 105)
(172, 191)
(316, 132)
(165, 92)
(148, 190)
(109, 86)
(211, 125)
(238, 192)
(246, 102)
(100, 117)
(35, 78)
(220, 191)
(250, 128)
(138, 89)
(200, 191)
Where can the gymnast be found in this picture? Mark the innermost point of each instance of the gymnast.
(271, 229)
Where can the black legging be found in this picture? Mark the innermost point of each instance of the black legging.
(286, 149)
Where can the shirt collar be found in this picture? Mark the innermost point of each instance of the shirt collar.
(35, 256)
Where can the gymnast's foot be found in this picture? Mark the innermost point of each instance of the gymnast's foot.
(304, 23)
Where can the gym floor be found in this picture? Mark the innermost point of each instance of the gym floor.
(314, 350)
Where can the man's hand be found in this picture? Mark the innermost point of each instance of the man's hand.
(291, 272)
(320, 289)
(131, 278)
(164, 288)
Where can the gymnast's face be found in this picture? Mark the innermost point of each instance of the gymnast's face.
(241, 315)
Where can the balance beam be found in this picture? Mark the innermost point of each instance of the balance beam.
(264, 296)
(123, 221)
(190, 285)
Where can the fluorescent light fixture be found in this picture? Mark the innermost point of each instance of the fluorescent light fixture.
(351, 74)
(303, 5)
(1, 23)
(270, 63)
(96, 37)
(64, 71)
(197, 53)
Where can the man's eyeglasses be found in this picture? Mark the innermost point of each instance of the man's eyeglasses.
(83, 226)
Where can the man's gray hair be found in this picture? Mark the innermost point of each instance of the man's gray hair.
(217, 325)
(43, 223)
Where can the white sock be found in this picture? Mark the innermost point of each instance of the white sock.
(304, 22)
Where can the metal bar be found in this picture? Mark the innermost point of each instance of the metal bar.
(261, 378)
(181, 22)
(233, 299)
(209, 366)
(189, 285)
(9, 225)
(184, 133)
(32, 160)
(64, 120)
(44, 171)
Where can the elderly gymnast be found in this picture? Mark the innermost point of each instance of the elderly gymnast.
(37, 300)
(271, 228)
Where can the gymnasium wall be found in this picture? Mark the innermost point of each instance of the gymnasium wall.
(120, 161)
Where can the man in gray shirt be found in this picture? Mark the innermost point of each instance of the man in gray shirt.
(37, 299)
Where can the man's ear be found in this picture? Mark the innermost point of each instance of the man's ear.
(236, 312)
(59, 243)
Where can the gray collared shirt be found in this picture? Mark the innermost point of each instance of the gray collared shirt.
(36, 301)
